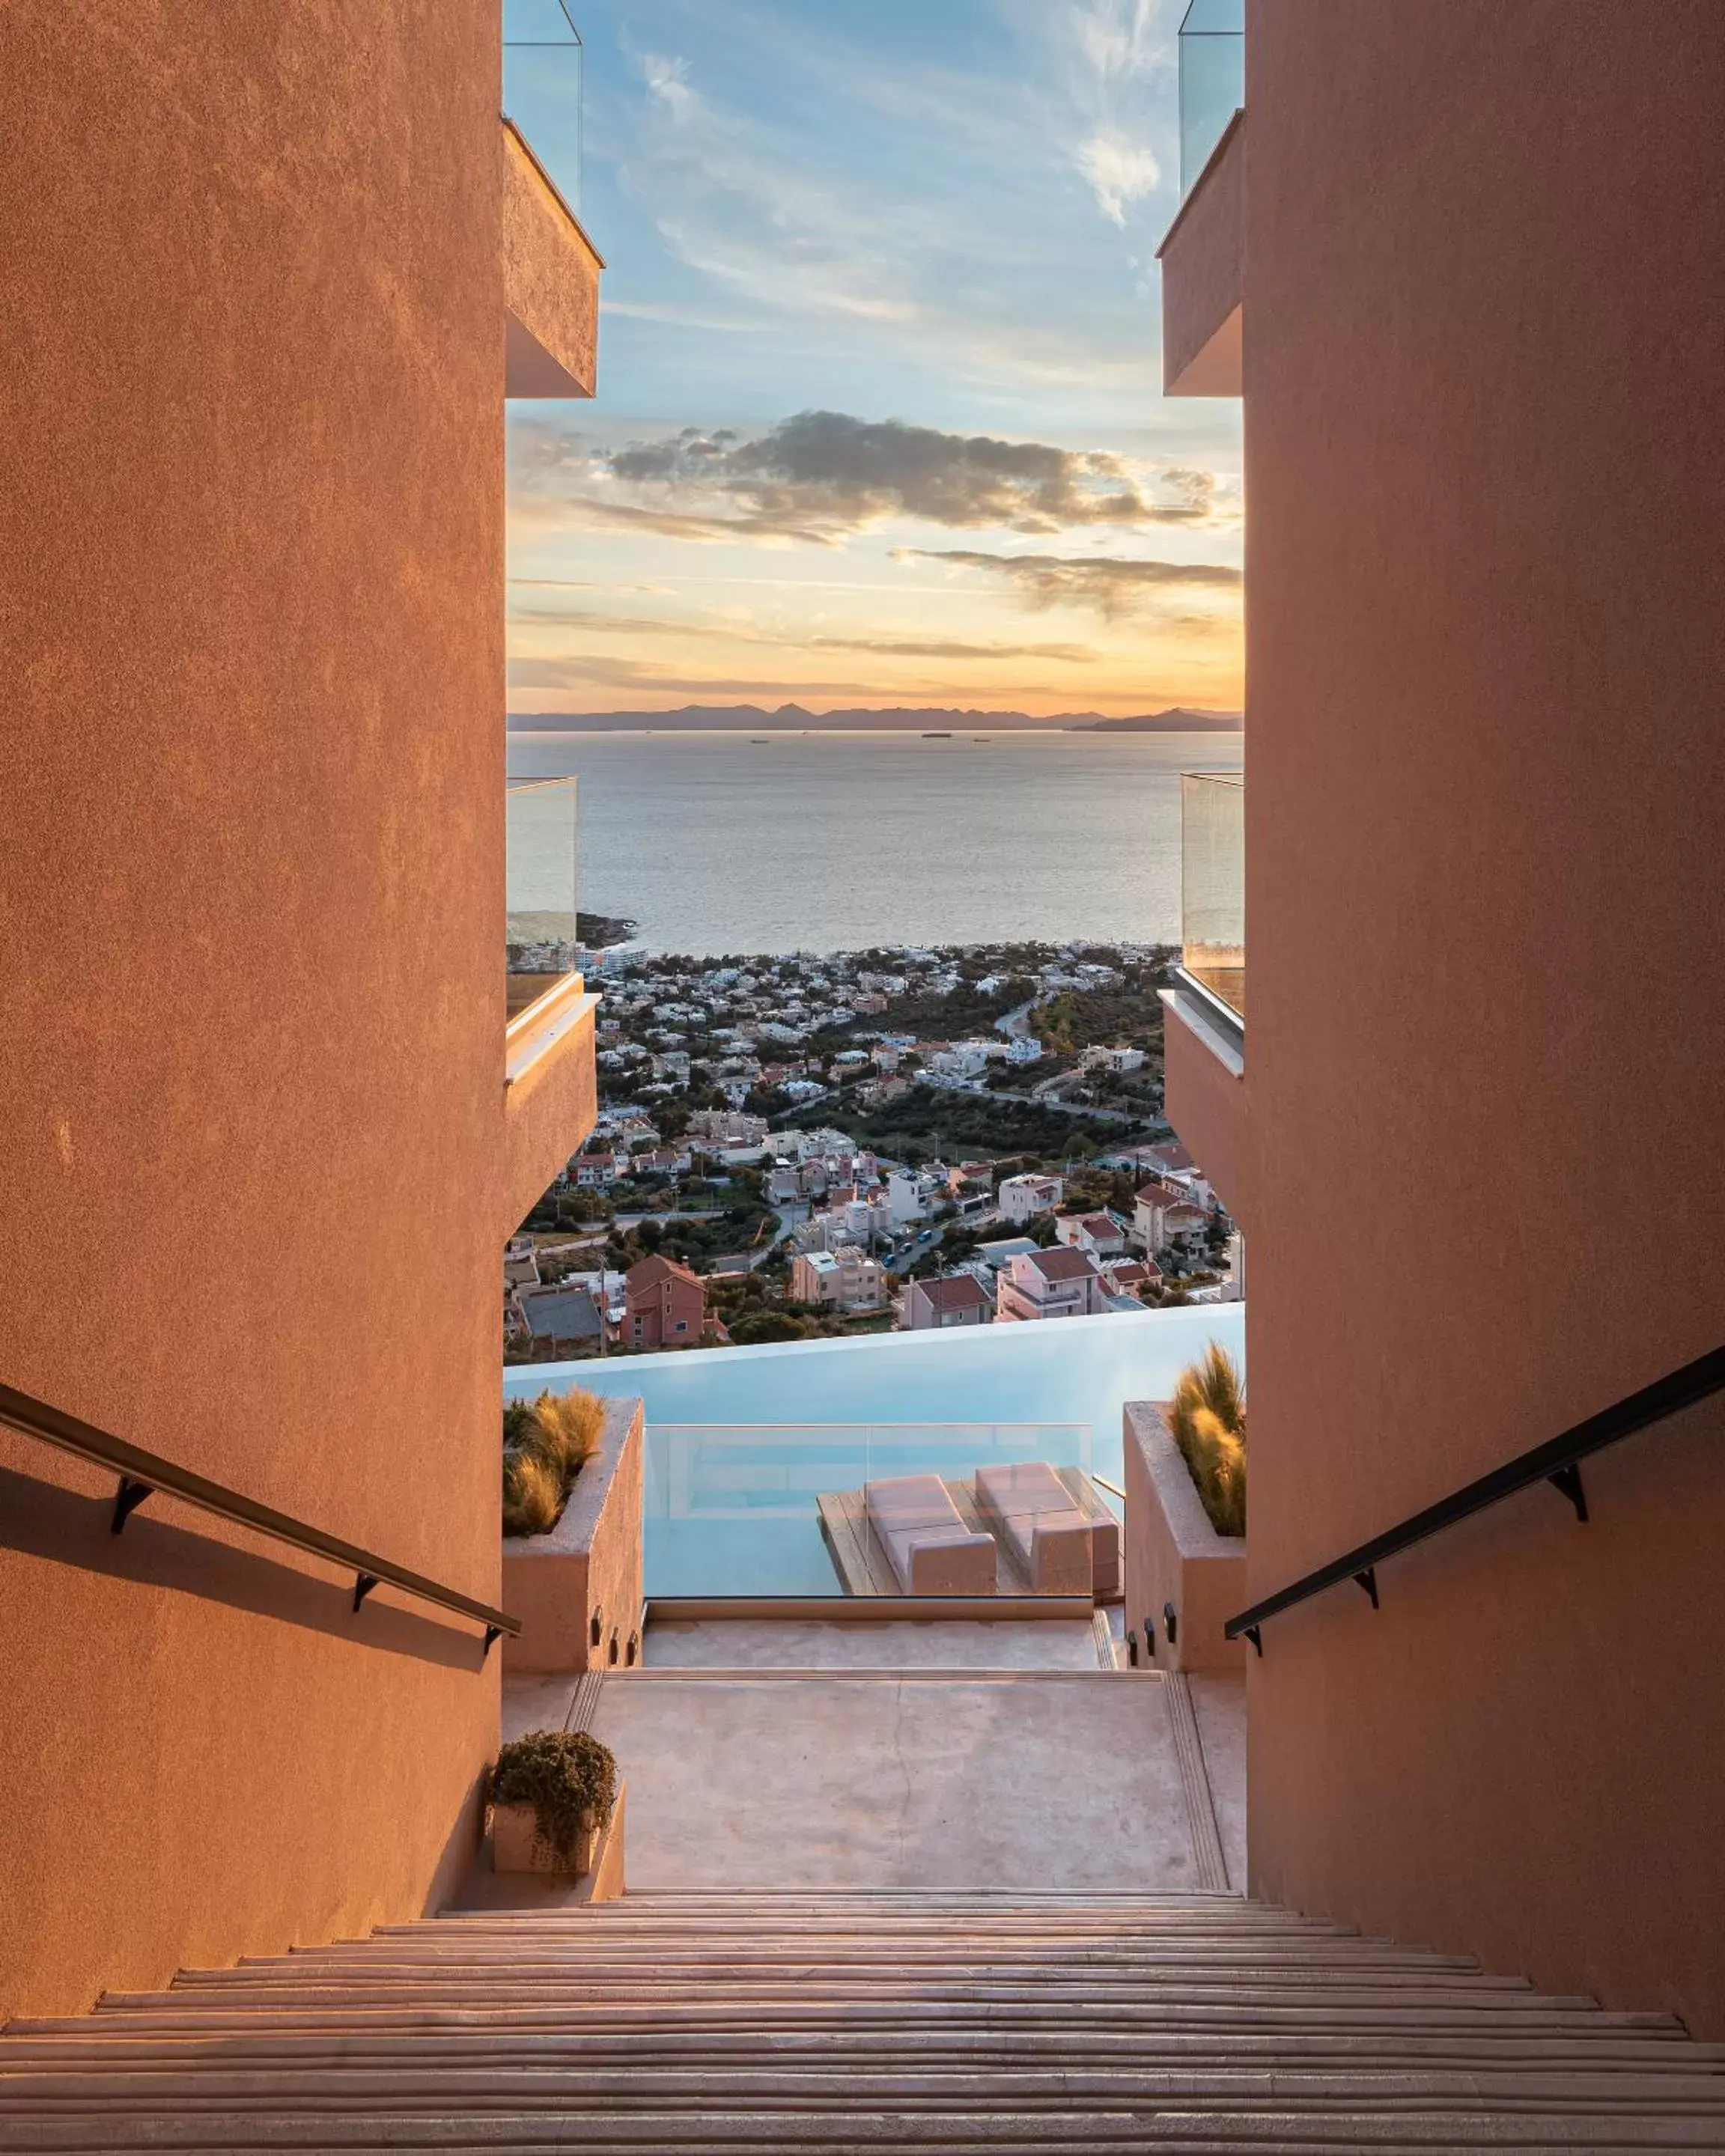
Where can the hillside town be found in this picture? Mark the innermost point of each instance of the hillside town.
(809, 1146)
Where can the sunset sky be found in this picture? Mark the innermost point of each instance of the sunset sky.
(879, 418)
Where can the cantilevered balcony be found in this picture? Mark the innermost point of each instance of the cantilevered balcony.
(1204, 1015)
(1212, 887)
(541, 929)
(548, 1044)
(551, 267)
(1204, 255)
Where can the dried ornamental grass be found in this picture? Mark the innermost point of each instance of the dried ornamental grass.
(1207, 1417)
(545, 1447)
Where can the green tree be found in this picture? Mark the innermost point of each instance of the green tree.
(758, 1327)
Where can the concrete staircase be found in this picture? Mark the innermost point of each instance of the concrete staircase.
(878, 2023)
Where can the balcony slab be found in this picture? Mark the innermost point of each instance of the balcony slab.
(1204, 277)
(1205, 1087)
(551, 273)
(551, 1093)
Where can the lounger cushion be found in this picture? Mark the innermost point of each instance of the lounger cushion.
(1063, 1549)
(927, 1544)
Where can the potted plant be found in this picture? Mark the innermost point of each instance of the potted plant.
(552, 1795)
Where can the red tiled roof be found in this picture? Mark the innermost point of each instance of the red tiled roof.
(650, 1272)
(957, 1292)
(1063, 1264)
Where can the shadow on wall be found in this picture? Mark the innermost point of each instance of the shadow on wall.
(65, 1527)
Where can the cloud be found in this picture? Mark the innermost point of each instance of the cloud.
(726, 200)
(1110, 586)
(886, 645)
(1117, 54)
(820, 477)
(1120, 171)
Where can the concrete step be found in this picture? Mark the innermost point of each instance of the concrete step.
(1343, 1993)
(36, 2047)
(864, 2024)
(1099, 1975)
(768, 2085)
(532, 2005)
(1107, 2133)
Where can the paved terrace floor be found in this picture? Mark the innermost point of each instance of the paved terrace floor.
(916, 1757)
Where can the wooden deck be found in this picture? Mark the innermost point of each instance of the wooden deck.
(864, 1568)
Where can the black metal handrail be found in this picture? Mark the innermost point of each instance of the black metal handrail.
(145, 1475)
(1557, 1461)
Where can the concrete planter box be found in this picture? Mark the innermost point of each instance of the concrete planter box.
(1174, 1555)
(597, 1874)
(587, 1568)
(516, 1845)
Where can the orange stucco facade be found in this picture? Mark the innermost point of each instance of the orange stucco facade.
(1482, 293)
(256, 1151)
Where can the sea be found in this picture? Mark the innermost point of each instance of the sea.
(722, 842)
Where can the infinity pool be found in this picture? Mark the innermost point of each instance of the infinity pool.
(741, 1440)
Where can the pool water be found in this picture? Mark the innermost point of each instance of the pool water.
(741, 1440)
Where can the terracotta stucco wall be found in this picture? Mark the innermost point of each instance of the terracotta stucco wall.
(250, 907)
(1487, 891)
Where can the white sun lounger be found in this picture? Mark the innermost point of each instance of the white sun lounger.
(927, 1544)
(1063, 1549)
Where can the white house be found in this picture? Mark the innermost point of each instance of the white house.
(847, 1278)
(1164, 1213)
(1058, 1283)
(1021, 1198)
(783, 1184)
(1117, 1060)
(904, 1198)
(1099, 1233)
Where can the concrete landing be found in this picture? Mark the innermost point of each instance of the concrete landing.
(1058, 1781)
(1060, 1642)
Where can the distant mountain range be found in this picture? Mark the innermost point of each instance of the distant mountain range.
(792, 718)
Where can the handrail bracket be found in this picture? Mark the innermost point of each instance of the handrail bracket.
(363, 1583)
(127, 1498)
(1368, 1579)
(1568, 1481)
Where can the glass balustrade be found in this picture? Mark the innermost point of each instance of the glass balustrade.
(541, 929)
(541, 88)
(1213, 883)
(1212, 58)
(786, 1509)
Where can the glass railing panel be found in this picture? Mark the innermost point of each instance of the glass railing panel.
(542, 917)
(541, 87)
(1213, 883)
(1212, 49)
(784, 1508)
